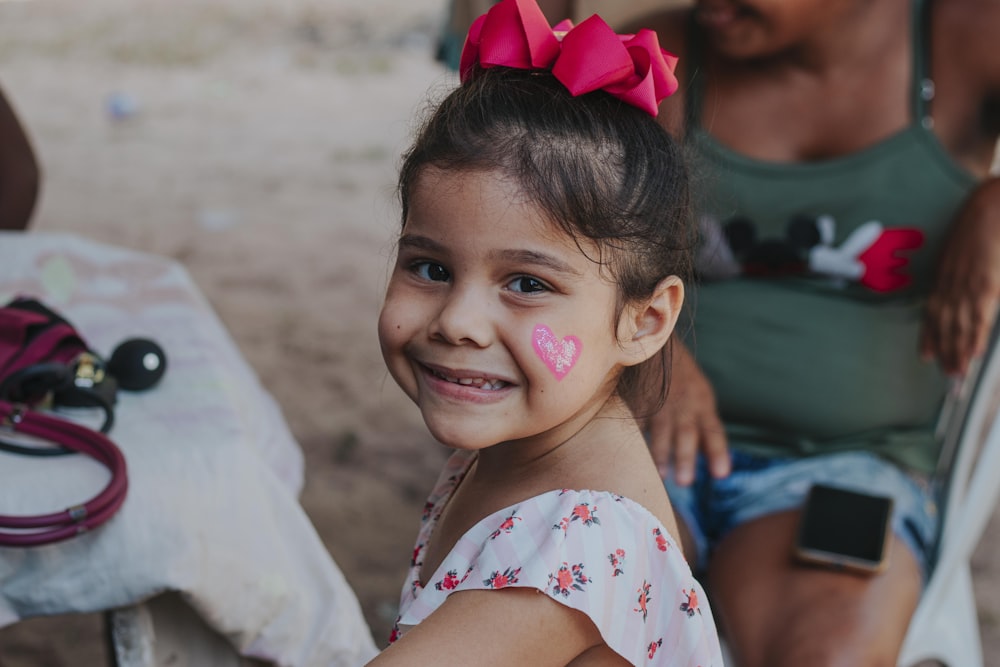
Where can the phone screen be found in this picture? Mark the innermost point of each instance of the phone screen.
(845, 523)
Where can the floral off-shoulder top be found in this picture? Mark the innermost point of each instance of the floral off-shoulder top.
(594, 551)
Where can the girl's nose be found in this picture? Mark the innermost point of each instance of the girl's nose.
(464, 318)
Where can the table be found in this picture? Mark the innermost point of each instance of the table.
(212, 510)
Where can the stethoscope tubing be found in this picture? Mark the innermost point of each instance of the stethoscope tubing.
(58, 526)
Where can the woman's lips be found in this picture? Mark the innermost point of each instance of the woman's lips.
(716, 16)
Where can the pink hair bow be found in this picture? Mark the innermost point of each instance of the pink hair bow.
(590, 56)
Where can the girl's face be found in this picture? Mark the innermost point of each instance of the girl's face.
(495, 323)
(746, 29)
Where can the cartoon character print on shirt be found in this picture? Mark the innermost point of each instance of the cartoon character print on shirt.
(871, 255)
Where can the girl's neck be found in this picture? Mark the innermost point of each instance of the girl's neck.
(559, 456)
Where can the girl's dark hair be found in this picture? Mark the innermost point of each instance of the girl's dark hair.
(598, 167)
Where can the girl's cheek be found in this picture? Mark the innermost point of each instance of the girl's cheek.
(391, 322)
(558, 353)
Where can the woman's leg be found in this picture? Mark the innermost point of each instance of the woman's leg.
(775, 611)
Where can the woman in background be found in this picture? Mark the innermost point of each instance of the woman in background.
(850, 262)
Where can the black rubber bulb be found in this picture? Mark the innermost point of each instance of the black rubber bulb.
(137, 364)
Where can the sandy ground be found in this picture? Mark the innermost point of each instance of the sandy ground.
(257, 145)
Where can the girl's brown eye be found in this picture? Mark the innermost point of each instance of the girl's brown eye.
(431, 271)
(527, 284)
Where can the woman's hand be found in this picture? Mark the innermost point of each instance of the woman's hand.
(963, 304)
(687, 422)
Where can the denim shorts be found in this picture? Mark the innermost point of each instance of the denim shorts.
(758, 486)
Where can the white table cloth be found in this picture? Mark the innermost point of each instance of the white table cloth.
(214, 473)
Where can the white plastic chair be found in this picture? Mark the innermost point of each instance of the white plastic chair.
(945, 626)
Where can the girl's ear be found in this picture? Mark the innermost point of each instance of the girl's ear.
(646, 327)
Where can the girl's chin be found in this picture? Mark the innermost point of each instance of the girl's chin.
(462, 444)
(465, 439)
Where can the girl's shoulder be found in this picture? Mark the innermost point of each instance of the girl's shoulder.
(964, 33)
(973, 19)
(965, 68)
(594, 551)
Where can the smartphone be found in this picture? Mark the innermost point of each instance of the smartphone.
(845, 530)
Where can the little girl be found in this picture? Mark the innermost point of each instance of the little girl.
(545, 234)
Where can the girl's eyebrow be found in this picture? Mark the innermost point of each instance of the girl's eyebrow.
(415, 242)
(538, 259)
(515, 256)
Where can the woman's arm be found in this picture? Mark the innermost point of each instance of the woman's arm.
(964, 301)
(514, 626)
(688, 422)
(966, 294)
(19, 172)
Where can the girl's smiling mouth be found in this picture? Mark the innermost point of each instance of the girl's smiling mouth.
(463, 383)
(478, 383)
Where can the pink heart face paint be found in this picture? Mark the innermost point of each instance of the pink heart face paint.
(559, 354)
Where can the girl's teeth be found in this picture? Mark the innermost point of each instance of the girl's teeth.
(482, 383)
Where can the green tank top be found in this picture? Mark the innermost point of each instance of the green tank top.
(803, 362)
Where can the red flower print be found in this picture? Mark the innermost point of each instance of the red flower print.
(690, 605)
(653, 646)
(617, 561)
(568, 579)
(581, 512)
(416, 552)
(394, 633)
(428, 506)
(449, 582)
(506, 525)
(661, 541)
(644, 599)
(497, 580)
